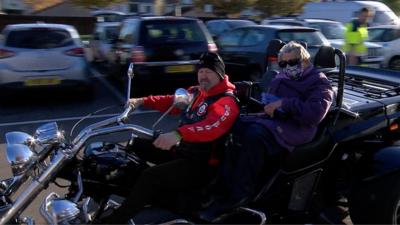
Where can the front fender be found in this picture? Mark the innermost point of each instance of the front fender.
(383, 162)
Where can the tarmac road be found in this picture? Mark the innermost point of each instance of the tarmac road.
(25, 111)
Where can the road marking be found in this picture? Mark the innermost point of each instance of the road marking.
(113, 90)
(137, 112)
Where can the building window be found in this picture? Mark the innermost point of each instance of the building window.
(148, 9)
(133, 7)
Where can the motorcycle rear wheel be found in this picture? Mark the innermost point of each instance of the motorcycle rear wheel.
(376, 201)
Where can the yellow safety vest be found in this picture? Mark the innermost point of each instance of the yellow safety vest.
(354, 40)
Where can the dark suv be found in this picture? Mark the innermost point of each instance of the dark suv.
(244, 49)
(334, 32)
(164, 50)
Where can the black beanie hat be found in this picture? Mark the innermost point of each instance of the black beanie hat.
(213, 62)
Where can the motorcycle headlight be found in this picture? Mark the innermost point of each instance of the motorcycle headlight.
(17, 137)
(58, 211)
(48, 134)
(20, 157)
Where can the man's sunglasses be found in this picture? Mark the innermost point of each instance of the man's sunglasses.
(291, 62)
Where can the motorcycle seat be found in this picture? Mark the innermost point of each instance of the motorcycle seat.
(313, 152)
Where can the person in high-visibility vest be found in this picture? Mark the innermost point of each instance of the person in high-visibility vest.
(355, 34)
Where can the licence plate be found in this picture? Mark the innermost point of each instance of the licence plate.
(42, 81)
(179, 69)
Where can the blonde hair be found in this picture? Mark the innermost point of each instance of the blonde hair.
(297, 48)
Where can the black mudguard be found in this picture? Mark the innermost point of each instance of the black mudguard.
(383, 162)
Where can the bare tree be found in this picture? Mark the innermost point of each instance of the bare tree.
(280, 7)
(225, 7)
(159, 7)
(96, 3)
(394, 5)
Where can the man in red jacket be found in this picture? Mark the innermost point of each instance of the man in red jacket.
(198, 140)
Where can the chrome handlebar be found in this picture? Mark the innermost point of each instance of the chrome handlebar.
(61, 156)
(116, 119)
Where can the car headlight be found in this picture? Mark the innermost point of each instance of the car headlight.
(20, 157)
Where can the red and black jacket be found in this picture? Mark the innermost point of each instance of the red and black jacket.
(210, 116)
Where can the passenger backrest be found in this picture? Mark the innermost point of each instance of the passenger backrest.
(271, 71)
(273, 49)
(325, 59)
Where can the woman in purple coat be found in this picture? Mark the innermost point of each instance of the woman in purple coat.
(304, 94)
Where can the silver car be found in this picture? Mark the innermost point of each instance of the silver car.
(104, 36)
(37, 55)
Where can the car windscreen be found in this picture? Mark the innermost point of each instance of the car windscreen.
(167, 31)
(330, 30)
(384, 17)
(240, 23)
(40, 38)
(111, 32)
(381, 35)
(312, 38)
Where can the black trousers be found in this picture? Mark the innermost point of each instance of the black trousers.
(255, 153)
(171, 176)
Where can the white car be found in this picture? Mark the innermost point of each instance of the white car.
(389, 37)
(42, 55)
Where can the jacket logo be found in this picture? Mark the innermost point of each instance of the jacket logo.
(202, 109)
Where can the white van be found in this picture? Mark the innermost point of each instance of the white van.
(345, 11)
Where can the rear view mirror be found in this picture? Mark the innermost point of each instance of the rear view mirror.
(181, 98)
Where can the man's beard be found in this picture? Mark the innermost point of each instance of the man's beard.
(204, 84)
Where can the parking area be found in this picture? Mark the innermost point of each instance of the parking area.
(66, 109)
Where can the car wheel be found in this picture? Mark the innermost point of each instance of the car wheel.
(394, 63)
(376, 201)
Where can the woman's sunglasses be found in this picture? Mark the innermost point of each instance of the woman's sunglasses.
(291, 62)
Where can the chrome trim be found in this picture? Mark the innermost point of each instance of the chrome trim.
(89, 209)
(138, 130)
(34, 188)
(262, 216)
(28, 220)
(80, 188)
(20, 157)
(168, 63)
(15, 183)
(16, 137)
(111, 204)
(176, 221)
(59, 159)
(48, 134)
(63, 210)
(182, 99)
(56, 210)
(43, 206)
